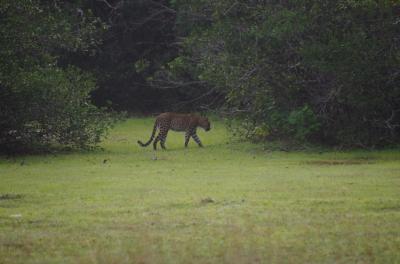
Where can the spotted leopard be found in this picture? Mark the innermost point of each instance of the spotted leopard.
(187, 123)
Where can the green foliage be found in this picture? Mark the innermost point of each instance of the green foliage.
(303, 123)
(313, 70)
(41, 102)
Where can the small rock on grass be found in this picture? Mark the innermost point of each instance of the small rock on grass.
(16, 215)
(207, 200)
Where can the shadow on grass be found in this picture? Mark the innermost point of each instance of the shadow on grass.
(10, 196)
(341, 162)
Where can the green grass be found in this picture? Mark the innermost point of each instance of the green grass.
(229, 202)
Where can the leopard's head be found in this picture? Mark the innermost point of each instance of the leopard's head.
(204, 123)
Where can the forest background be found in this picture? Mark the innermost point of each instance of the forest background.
(309, 71)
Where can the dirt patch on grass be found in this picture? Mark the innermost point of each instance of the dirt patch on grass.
(340, 162)
(207, 200)
(388, 208)
(13, 245)
(10, 196)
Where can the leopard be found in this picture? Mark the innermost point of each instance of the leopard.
(179, 122)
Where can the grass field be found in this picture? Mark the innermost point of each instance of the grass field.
(229, 202)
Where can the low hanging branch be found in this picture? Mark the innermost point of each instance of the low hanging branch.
(174, 84)
(109, 5)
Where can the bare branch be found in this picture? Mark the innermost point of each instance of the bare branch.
(230, 8)
(149, 18)
(170, 10)
(107, 3)
(183, 103)
(248, 74)
(174, 85)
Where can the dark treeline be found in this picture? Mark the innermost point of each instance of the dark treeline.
(320, 71)
(133, 62)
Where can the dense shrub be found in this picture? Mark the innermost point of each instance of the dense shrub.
(50, 105)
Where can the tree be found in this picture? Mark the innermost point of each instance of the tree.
(42, 102)
(311, 70)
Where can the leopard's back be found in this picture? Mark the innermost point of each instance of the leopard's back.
(176, 121)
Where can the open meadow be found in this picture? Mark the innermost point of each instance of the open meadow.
(230, 202)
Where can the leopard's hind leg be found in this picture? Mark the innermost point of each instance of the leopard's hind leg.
(163, 139)
(162, 136)
(187, 137)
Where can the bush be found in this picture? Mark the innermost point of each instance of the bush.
(47, 106)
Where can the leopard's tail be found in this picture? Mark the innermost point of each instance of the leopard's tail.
(151, 138)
